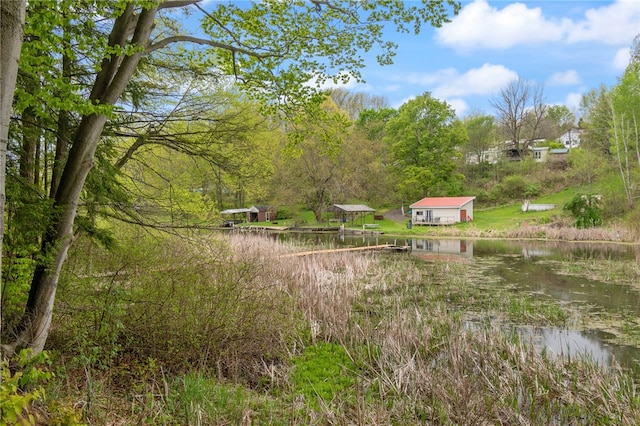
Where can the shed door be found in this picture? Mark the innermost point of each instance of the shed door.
(463, 215)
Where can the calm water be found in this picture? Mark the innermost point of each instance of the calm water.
(528, 267)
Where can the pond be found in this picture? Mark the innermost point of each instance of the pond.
(550, 270)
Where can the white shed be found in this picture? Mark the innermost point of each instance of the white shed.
(442, 210)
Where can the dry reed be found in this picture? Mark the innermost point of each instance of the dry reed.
(418, 361)
(428, 366)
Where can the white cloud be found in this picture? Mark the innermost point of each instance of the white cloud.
(480, 25)
(459, 105)
(572, 101)
(613, 24)
(402, 102)
(448, 84)
(430, 79)
(564, 78)
(487, 79)
(621, 59)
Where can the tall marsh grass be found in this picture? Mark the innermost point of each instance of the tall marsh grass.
(228, 330)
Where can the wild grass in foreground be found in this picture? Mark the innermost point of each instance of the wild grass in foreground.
(254, 337)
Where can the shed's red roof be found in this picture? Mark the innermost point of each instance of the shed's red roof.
(442, 202)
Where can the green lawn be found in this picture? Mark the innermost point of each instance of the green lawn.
(492, 219)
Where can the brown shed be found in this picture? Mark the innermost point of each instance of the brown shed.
(261, 214)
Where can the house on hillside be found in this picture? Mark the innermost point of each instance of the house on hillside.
(442, 210)
(571, 138)
(539, 153)
(517, 151)
(488, 156)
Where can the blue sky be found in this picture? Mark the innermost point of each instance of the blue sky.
(570, 47)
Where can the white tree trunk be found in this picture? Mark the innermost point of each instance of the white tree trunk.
(11, 22)
(620, 138)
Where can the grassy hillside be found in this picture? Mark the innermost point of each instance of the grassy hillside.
(507, 219)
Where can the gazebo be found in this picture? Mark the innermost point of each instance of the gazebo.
(234, 214)
(349, 212)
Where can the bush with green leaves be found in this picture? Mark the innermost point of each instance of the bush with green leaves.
(22, 393)
(187, 302)
(586, 210)
(25, 209)
(514, 187)
(22, 387)
(496, 194)
(531, 190)
(284, 213)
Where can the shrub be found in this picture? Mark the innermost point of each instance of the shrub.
(616, 205)
(586, 210)
(514, 187)
(633, 219)
(187, 303)
(20, 389)
(22, 393)
(213, 309)
(496, 195)
(284, 213)
(482, 196)
(531, 190)
(554, 181)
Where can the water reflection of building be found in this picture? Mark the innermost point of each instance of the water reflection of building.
(531, 252)
(461, 248)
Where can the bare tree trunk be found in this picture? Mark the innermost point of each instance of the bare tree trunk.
(536, 114)
(218, 174)
(110, 83)
(619, 136)
(12, 13)
(30, 141)
(637, 137)
(62, 138)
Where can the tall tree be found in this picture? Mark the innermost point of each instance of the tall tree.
(355, 103)
(12, 15)
(481, 130)
(625, 127)
(422, 141)
(520, 109)
(559, 119)
(312, 173)
(363, 170)
(596, 121)
(373, 122)
(259, 45)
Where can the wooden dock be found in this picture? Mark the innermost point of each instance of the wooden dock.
(364, 248)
